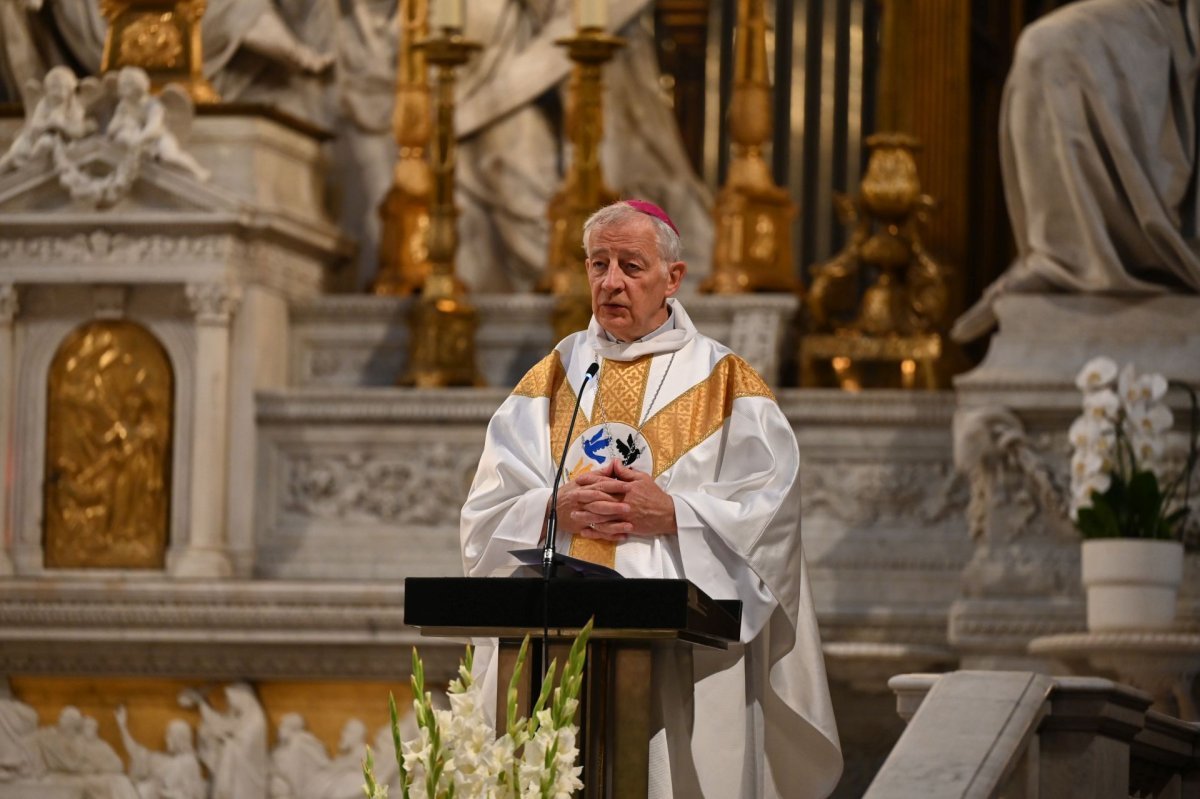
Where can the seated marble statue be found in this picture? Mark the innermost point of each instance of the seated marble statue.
(173, 775)
(1099, 154)
(152, 125)
(56, 114)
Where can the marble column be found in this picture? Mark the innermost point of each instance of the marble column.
(8, 389)
(207, 553)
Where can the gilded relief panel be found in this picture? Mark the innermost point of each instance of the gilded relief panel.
(108, 445)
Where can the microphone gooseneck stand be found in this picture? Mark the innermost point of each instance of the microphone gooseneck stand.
(552, 523)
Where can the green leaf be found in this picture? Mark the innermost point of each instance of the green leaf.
(1110, 525)
(1089, 523)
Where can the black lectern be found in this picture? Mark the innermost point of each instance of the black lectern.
(633, 618)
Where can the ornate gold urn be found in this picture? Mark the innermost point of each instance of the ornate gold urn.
(893, 335)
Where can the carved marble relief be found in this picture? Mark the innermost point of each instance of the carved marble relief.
(218, 743)
(426, 485)
(108, 443)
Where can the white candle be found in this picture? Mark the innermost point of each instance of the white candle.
(592, 13)
(446, 14)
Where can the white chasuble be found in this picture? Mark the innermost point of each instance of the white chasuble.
(754, 721)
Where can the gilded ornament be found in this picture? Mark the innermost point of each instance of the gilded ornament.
(893, 335)
(583, 190)
(441, 322)
(152, 41)
(163, 38)
(108, 445)
(753, 216)
(404, 260)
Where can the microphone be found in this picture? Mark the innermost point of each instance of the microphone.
(552, 519)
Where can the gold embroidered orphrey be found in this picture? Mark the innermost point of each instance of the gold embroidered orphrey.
(108, 446)
(683, 424)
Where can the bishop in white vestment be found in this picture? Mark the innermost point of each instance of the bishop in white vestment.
(682, 466)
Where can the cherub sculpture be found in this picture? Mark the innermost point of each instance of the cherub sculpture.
(152, 126)
(55, 114)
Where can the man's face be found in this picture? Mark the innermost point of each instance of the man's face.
(628, 282)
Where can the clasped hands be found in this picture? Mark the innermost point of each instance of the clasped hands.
(613, 503)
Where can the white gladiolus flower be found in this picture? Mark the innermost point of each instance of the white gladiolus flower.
(1102, 405)
(474, 763)
(1096, 374)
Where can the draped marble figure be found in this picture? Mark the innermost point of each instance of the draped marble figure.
(1099, 153)
(175, 774)
(511, 155)
(233, 744)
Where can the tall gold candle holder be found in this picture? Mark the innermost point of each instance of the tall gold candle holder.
(442, 323)
(160, 36)
(583, 190)
(753, 216)
(404, 213)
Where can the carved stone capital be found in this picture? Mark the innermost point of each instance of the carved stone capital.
(213, 303)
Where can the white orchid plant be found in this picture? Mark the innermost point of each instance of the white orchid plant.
(458, 755)
(1123, 483)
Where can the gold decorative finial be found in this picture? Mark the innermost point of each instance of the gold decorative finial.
(899, 323)
(163, 38)
(404, 250)
(753, 216)
(441, 324)
(583, 190)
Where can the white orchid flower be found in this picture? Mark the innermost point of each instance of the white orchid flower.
(1096, 374)
(1090, 433)
(1102, 405)
(1138, 389)
(1150, 420)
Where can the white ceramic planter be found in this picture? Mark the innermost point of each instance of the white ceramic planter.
(1131, 583)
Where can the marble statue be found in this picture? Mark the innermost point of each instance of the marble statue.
(95, 755)
(296, 759)
(27, 49)
(74, 756)
(510, 158)
(1099, 154)
(341, 778)
(152, 126)
(233, 744)
(174, 774)
(19, 757)
(333, 63)
(55, 114)
(302, 769)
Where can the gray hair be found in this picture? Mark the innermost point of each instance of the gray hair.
(670, 248)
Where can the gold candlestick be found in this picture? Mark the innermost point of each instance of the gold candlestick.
(403, 250)
(160, 36)
(442, 323)
(583, 190)
(753, 248)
